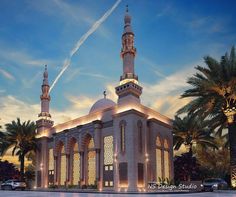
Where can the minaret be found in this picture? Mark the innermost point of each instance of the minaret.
(128, 90)
(44, 121)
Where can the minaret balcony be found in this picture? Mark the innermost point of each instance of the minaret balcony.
(129, 88)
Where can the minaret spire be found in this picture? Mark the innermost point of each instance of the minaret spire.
(128, 50)
(44, 121)
(128, 81)
(45, 97)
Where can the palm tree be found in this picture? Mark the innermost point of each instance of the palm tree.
(214, 98)
(20, 137)
(191, 130)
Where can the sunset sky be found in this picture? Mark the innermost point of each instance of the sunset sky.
(171, 38)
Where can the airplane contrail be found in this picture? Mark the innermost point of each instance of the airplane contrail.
(82, 40)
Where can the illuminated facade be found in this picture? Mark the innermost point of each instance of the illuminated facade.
(118, 146)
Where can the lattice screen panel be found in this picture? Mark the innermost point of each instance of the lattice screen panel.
(108, 150)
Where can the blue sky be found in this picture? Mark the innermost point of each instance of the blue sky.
(171, 38)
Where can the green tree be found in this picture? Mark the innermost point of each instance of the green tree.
(21, 138)
(8, 171)
(214, 98)
(191, 130)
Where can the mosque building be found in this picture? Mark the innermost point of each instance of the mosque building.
(119, 146)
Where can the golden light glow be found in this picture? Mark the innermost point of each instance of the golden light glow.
(123, 185)
(167, 164)
(63, 170)
(140, 186)
(98, 116)
(76, 165)
(158, 164)
(51, 160)
(124, 81)
(233, 176)
(91, 167)
(233, 182)
(108, 150)
(143, 109)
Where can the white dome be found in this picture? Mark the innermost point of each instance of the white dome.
(102, 104)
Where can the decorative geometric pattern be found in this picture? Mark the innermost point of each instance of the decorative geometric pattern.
(51, 160)
(76, 165)
(166, 164)
(63, 170)
(233, 176)
(158, 164)
(91, 167)
(108, 150)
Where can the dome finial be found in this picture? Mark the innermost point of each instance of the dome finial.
(127, 8)
(105, 93)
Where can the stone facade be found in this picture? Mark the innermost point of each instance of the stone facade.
(118, 146)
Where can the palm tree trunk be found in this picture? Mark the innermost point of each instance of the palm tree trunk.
(232, 145)
(22, 166)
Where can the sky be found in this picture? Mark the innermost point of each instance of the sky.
(171, 37)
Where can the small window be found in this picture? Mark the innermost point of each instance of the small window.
(111, 167)
(111, 183)
(106, 183)
(106, 168)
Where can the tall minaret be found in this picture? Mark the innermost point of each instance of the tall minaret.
(128, 90)
(44, 121)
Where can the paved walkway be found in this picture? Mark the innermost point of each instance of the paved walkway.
(64, 194)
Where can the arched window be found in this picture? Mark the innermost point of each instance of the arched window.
(63, 166)
(140, 136)
(91, 162)
(166, 159)
(76, 164)
(91, 144)
(158, 158)
(122, 136)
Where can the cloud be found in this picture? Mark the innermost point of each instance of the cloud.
(81, 102)
(74, 14)
(205, 24)
(72, 73)
(165, 11)
(164, 95)
(6, 74)
(28, 83)
(21, 57)
(2, 91)
(152, 65)
(14, 107)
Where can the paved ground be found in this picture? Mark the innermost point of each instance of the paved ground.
(61, 194)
